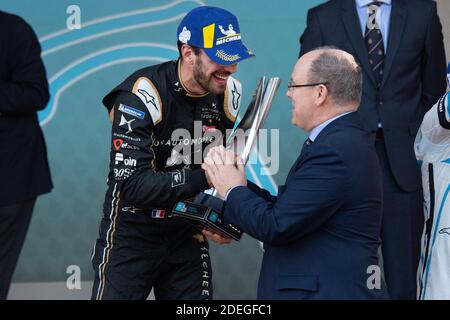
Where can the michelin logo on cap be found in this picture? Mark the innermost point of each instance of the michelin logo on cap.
(230, 35)
(216, 31)
(228, 32)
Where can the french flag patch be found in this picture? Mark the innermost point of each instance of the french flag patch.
(158, 213)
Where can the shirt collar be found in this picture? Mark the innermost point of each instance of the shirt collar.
(315, 132)
(365, 3)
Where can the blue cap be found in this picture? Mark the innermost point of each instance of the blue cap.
(216, 31)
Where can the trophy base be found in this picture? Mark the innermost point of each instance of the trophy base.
(207, 211)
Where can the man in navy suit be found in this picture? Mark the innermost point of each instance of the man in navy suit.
(24, 169)
(321, 233)
(399, 45)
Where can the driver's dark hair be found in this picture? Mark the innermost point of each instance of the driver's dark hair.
(196, 49)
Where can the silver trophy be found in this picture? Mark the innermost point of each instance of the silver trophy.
(206, 208)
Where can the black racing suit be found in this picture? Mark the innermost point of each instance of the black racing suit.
(139, 245)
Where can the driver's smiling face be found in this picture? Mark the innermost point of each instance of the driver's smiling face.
(211, 76)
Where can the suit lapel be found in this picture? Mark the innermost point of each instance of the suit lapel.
(348, 119)
(353, 28)
(299, 158)
(397, 26)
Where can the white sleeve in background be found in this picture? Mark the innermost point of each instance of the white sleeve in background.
(433, 139)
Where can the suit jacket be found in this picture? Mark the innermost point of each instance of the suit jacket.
(24, 168)
(414, 72)
(322, 232)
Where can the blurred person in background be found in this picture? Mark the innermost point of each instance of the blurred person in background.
(24, 168)
(432, 148)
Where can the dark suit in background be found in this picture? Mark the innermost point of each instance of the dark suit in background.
(24, 169)
(321, 234)
(414, 78)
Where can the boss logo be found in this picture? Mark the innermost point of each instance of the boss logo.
(122, 173)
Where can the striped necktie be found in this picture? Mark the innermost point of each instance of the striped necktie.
(374, 42)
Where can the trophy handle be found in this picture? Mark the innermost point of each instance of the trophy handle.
(254, 118)
(261, 115)
(252, 109)
(246, 122)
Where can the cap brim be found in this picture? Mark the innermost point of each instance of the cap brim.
(229, 53)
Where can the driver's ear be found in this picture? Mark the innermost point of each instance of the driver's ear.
(187, 53)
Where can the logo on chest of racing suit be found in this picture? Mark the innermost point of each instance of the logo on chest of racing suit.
(210, 114)
(178, 178)
(187, 150)
(177, 87)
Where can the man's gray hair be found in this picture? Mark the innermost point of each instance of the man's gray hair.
(340, 72)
